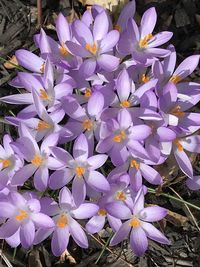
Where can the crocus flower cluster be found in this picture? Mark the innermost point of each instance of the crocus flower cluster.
(102, 106)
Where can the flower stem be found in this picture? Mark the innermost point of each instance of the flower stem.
(104, 248)
(153, 191)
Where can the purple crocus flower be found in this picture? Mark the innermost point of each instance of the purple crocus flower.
(95, 46)
(138, 225)
(39, 159)
(140, 42)
(119, 136)
(64, 215)
(24, 217)
(80, 167)
(194, 183)
(10, 162)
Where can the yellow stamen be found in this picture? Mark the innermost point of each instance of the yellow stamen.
(119, 137)
(42, 125)
(42, 68)
(145, 41)
(135, 164)
(120, 195)
(145, 78)
(6, 163)
(102, 212)
(135, 223)
(176, 111)
(118, 28)
(87, 92)
(91, 48)
(178, 145)
(43, 95)
(21, 216)
(125, 104)
(175, 79)
(63, 50)
(37, 160)
(79, 171)
(62, 221)
(87, 125)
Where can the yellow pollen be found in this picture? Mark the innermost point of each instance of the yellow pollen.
(178, 145)
(125, 104)
(145, 78)
(42, 68)
(176, 111)
(87, 125)
(145, 41)
(21, 216)
(135, 164)
(121, 196)
(175, 79)
(63, 50)
(135, 223)
(119, 137)
(6, 162)
(79, 171)
(118, 28)
(102, 212)
(37, 160)
(42, 125)
(62, 221)
(43, 95)
(87, 92)
(91, 48)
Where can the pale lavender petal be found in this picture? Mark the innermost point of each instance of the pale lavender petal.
(191, 143)
(165, 134)
(108, 62)
(95, 104)
(78, 234)
(123, 85)
(138, 241)
(153, 214)
(154, 233)
(95, 224)
(127, 12)
(124, 119)
(135, 179)
(18, 99)
(77, 49)
(41, 178)
(148, 22)
(60, 241)
(7, 210)
(101, 25)
(160, 38)
(14, 240)
(121, 234)
(61, 154)
(139, 132)
(41, 235)
(9, 228)
(183, 162)
(78, 190)
(85, 211)
(150, 174)
(80, 148)
(194, 183)
(109, 41)
(96, 161)
(119, 210)
(27, 234)
(60, 178)
(82, 33)
(114, 223)
(65, 197)
(23, 174)
(41, 220)
(62, 29)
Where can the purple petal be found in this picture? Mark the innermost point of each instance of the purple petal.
(77, 49)
(7, 210)
(80, 148)
(60, 178)
(62, 29)
(123, 85)
(121, 234)
(124, 119)
(191, 143)
(41, 220)
(95, 224)
(61, 154)
(96, 161)
(119, 210)
(150, 174)
(82, 33)
(109, 41)
(160, 38)
(114, 223)
(78, 234)
(60, 241)
(18, 99)
(135, 179)
(127, 12)
(14, 240)
(9, 228)
(97, 181)
(27, 234)
(78, 190)
(85, 211)
(41, 178)
(65, 197)
(139, 132)
(101, 25)
(88, 67)
(154, 233)
(148, 22)
(108, 62)
(23, 174)
(194, 183)
(183, 162)
(41, 235)
(165, 134)
(153, 214)
(138, 241)
(95, 104)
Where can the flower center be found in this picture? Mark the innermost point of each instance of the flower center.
(87, 92)
(37, 160)
(145, 78)
(91, 48)
(118, 28)
(79, 171)
(176, 111)
(21, 216)
(134, 222)
(43, 95)
(134, 164)
(63, 50)
(6, 163)
(175, 79)
(102, 212)
(42, 125)
(125, 104)
(120, 195)
(145, 41)
(87, 125)
(119, 137)
(62, 221)
(42, 68)
(178, 145)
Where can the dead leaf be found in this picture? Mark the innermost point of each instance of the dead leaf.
(10, 64)
(176, 218)
(66, 256)
(34, 259)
